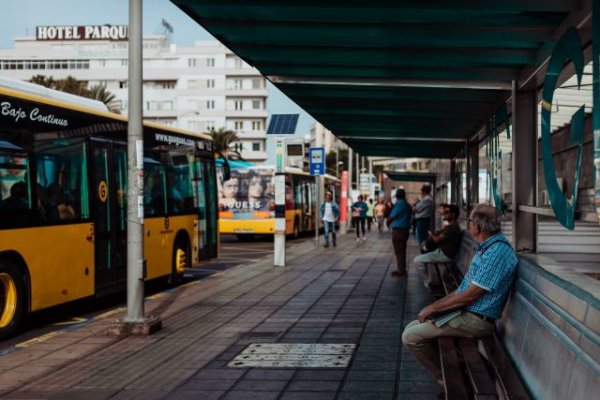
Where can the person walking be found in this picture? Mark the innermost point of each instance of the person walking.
(359, 213)
(370, 214)
(330, 212)
(400, 226)
(424, 214)
(380, 215)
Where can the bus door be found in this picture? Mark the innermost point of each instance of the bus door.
(109, 184)
(207, 208)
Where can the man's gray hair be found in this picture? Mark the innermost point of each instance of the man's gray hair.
(487, 218)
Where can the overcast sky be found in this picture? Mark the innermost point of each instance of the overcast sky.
(20, 17)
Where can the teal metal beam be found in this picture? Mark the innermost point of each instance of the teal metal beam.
(382, 92)
(368, 56)
(386, 10)
(440, 73)
(393, 36)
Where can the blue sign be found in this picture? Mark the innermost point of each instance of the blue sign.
(317, 161)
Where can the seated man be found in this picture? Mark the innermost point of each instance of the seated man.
(481, 295)
(446, 243)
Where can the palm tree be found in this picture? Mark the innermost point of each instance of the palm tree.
(43, 80)
(99, 92)
(73, 86)
(223, 140)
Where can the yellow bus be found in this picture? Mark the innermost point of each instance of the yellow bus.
(63, 183)
(247, 201)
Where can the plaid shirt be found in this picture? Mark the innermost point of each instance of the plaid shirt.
(493, 268)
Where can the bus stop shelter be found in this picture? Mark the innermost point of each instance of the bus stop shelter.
(440, 80)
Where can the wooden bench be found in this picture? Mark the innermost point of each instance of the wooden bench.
(471, 368)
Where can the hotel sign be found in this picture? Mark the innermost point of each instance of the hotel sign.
(82, 32)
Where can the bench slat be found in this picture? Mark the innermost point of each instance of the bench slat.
(505, 373)
(446, 277)
(479, 375)
(454, 383)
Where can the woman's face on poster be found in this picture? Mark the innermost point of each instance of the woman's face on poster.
(255, 188)
(230, 188)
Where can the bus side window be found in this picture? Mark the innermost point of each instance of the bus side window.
(174, 196)
(154, 190)
(62, 181)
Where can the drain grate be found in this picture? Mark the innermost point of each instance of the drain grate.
(300, 355)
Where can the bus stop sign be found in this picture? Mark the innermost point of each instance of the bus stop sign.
(317, 161)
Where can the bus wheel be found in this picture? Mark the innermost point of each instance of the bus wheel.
(181, 261)
(11, 299)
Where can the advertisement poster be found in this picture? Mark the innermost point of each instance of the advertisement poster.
(248, 190)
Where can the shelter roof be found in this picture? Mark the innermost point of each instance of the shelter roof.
(393, 77)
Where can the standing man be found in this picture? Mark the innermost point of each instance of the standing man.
(330, 212)
(480, 297)
(424, 214)
(400, 226)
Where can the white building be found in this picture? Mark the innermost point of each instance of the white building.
(194, 88)
(323, 137)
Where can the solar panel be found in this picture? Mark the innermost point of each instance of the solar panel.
(283, 124)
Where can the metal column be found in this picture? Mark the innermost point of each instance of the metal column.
(135, 323)
(525, 164)
(279, 181)
(135, 165)
(474, 178)
(349, 202)
(468, 178)
(453, 182)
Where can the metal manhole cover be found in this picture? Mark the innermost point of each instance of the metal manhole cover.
(286, 355)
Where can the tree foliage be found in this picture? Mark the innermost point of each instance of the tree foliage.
(223, 140)
(79, 88)
(99, 92)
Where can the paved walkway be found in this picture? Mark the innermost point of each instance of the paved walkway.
(334, 295)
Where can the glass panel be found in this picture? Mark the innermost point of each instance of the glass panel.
(155, 195)
(85, 192)
(212, 201)
(201, 173)
(181, 197)
(102, 209)
(121, 181)
(62, 180)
